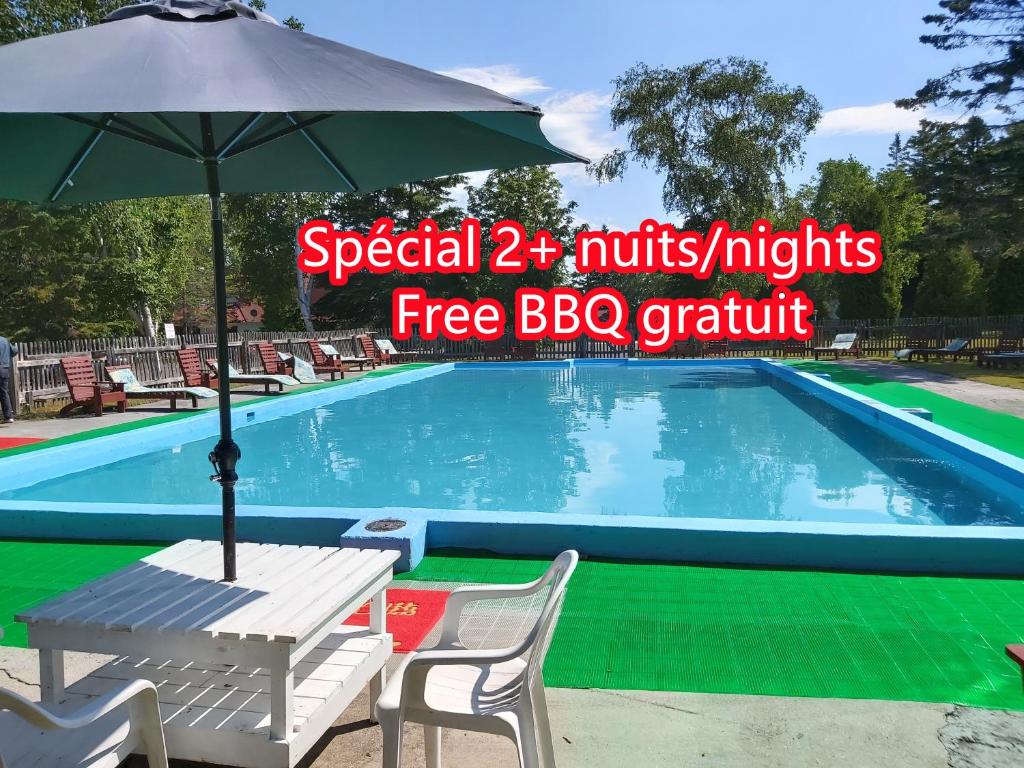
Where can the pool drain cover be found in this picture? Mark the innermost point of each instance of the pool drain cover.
(387, 524)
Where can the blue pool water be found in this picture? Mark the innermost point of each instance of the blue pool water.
(721, 442)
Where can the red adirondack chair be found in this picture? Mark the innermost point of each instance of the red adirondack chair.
(192, 369)
(273, 364)
(86, 391)
(324, 364)
(369, 349)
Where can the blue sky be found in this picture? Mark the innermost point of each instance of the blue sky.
(856, 57)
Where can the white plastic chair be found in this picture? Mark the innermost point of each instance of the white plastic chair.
(497, 691)
(100, 734)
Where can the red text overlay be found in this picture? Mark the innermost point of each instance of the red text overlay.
(564, 313)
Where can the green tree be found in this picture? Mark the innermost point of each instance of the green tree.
(993, 26)
(722, 132)
(845, 192)
(365, 300)
(952, 283)
(533, 197)
(1006, 287)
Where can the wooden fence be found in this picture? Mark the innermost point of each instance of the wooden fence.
(39, 379)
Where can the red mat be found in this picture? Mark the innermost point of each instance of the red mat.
(14, 442)
(412, 613)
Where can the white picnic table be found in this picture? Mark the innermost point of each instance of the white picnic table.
(250, 673)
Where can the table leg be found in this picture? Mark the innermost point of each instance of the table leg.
(282, 685)
(51, 675)
(378, 624)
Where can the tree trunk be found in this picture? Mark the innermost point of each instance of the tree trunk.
(146, 321)
(304, 292)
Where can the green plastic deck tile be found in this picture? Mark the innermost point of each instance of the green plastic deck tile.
(32, 571)
(1000, 430)
(653, 626)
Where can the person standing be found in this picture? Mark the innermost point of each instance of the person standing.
(8, 352)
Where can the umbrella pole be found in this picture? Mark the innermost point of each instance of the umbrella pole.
(226, 453)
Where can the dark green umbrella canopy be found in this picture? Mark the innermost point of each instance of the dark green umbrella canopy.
(178, 97)
(118, 105)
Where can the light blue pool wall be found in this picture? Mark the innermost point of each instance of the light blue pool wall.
(938, 549)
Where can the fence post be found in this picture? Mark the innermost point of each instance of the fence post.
(14, 387)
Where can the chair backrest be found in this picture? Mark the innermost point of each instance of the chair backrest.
(316, 352)
(123, 374)
(956, 345)
(368, 347)
(80, 375)
(539, 638)
(268, 356)
(191, 366)
(387, 347)
(844, 341)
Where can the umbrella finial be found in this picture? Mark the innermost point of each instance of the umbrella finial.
(190, 10)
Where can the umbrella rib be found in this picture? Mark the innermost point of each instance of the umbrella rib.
(80, 156)
(287, 131)
(166, 146)
(323, 152)
(152, 135)
(241, 133)
(179, 133)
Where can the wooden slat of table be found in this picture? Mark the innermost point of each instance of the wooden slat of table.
(236, 700)
(260, 620)
(112, 583)
(111, 600)
(217, 600)
(296, 569)
(291, 626)
(169, 604)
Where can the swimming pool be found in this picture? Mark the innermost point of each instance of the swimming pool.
(740, 446)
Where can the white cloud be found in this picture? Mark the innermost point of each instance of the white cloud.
(885, 118)
(577, 121)
(502, 78)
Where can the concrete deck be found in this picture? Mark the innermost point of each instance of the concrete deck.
(995, 398)
(608, 729)
(50, 428)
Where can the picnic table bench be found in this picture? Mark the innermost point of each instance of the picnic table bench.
(250, 673)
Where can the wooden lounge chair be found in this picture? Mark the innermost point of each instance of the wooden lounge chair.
(86, 391)
(1001, 359)
(842, 344)
(330, 352)
(525, 350)
(136, 390)
(1003, 354)
(796, 347)
(365, 345)
(266, 379)
(715, 348)
(955, 349)
(271, 360)
(391, 353)
(101, 734)
(192, 369)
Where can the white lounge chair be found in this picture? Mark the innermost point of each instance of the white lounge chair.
(843, 344)
(266, 379)
(492, 691)
(392, 353)
(136, 390)
(100, 734)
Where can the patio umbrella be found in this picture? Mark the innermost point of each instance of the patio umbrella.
(178, 97)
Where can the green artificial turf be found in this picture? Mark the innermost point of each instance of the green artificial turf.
(31, 572)
(784, 633)
(1000, 430)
